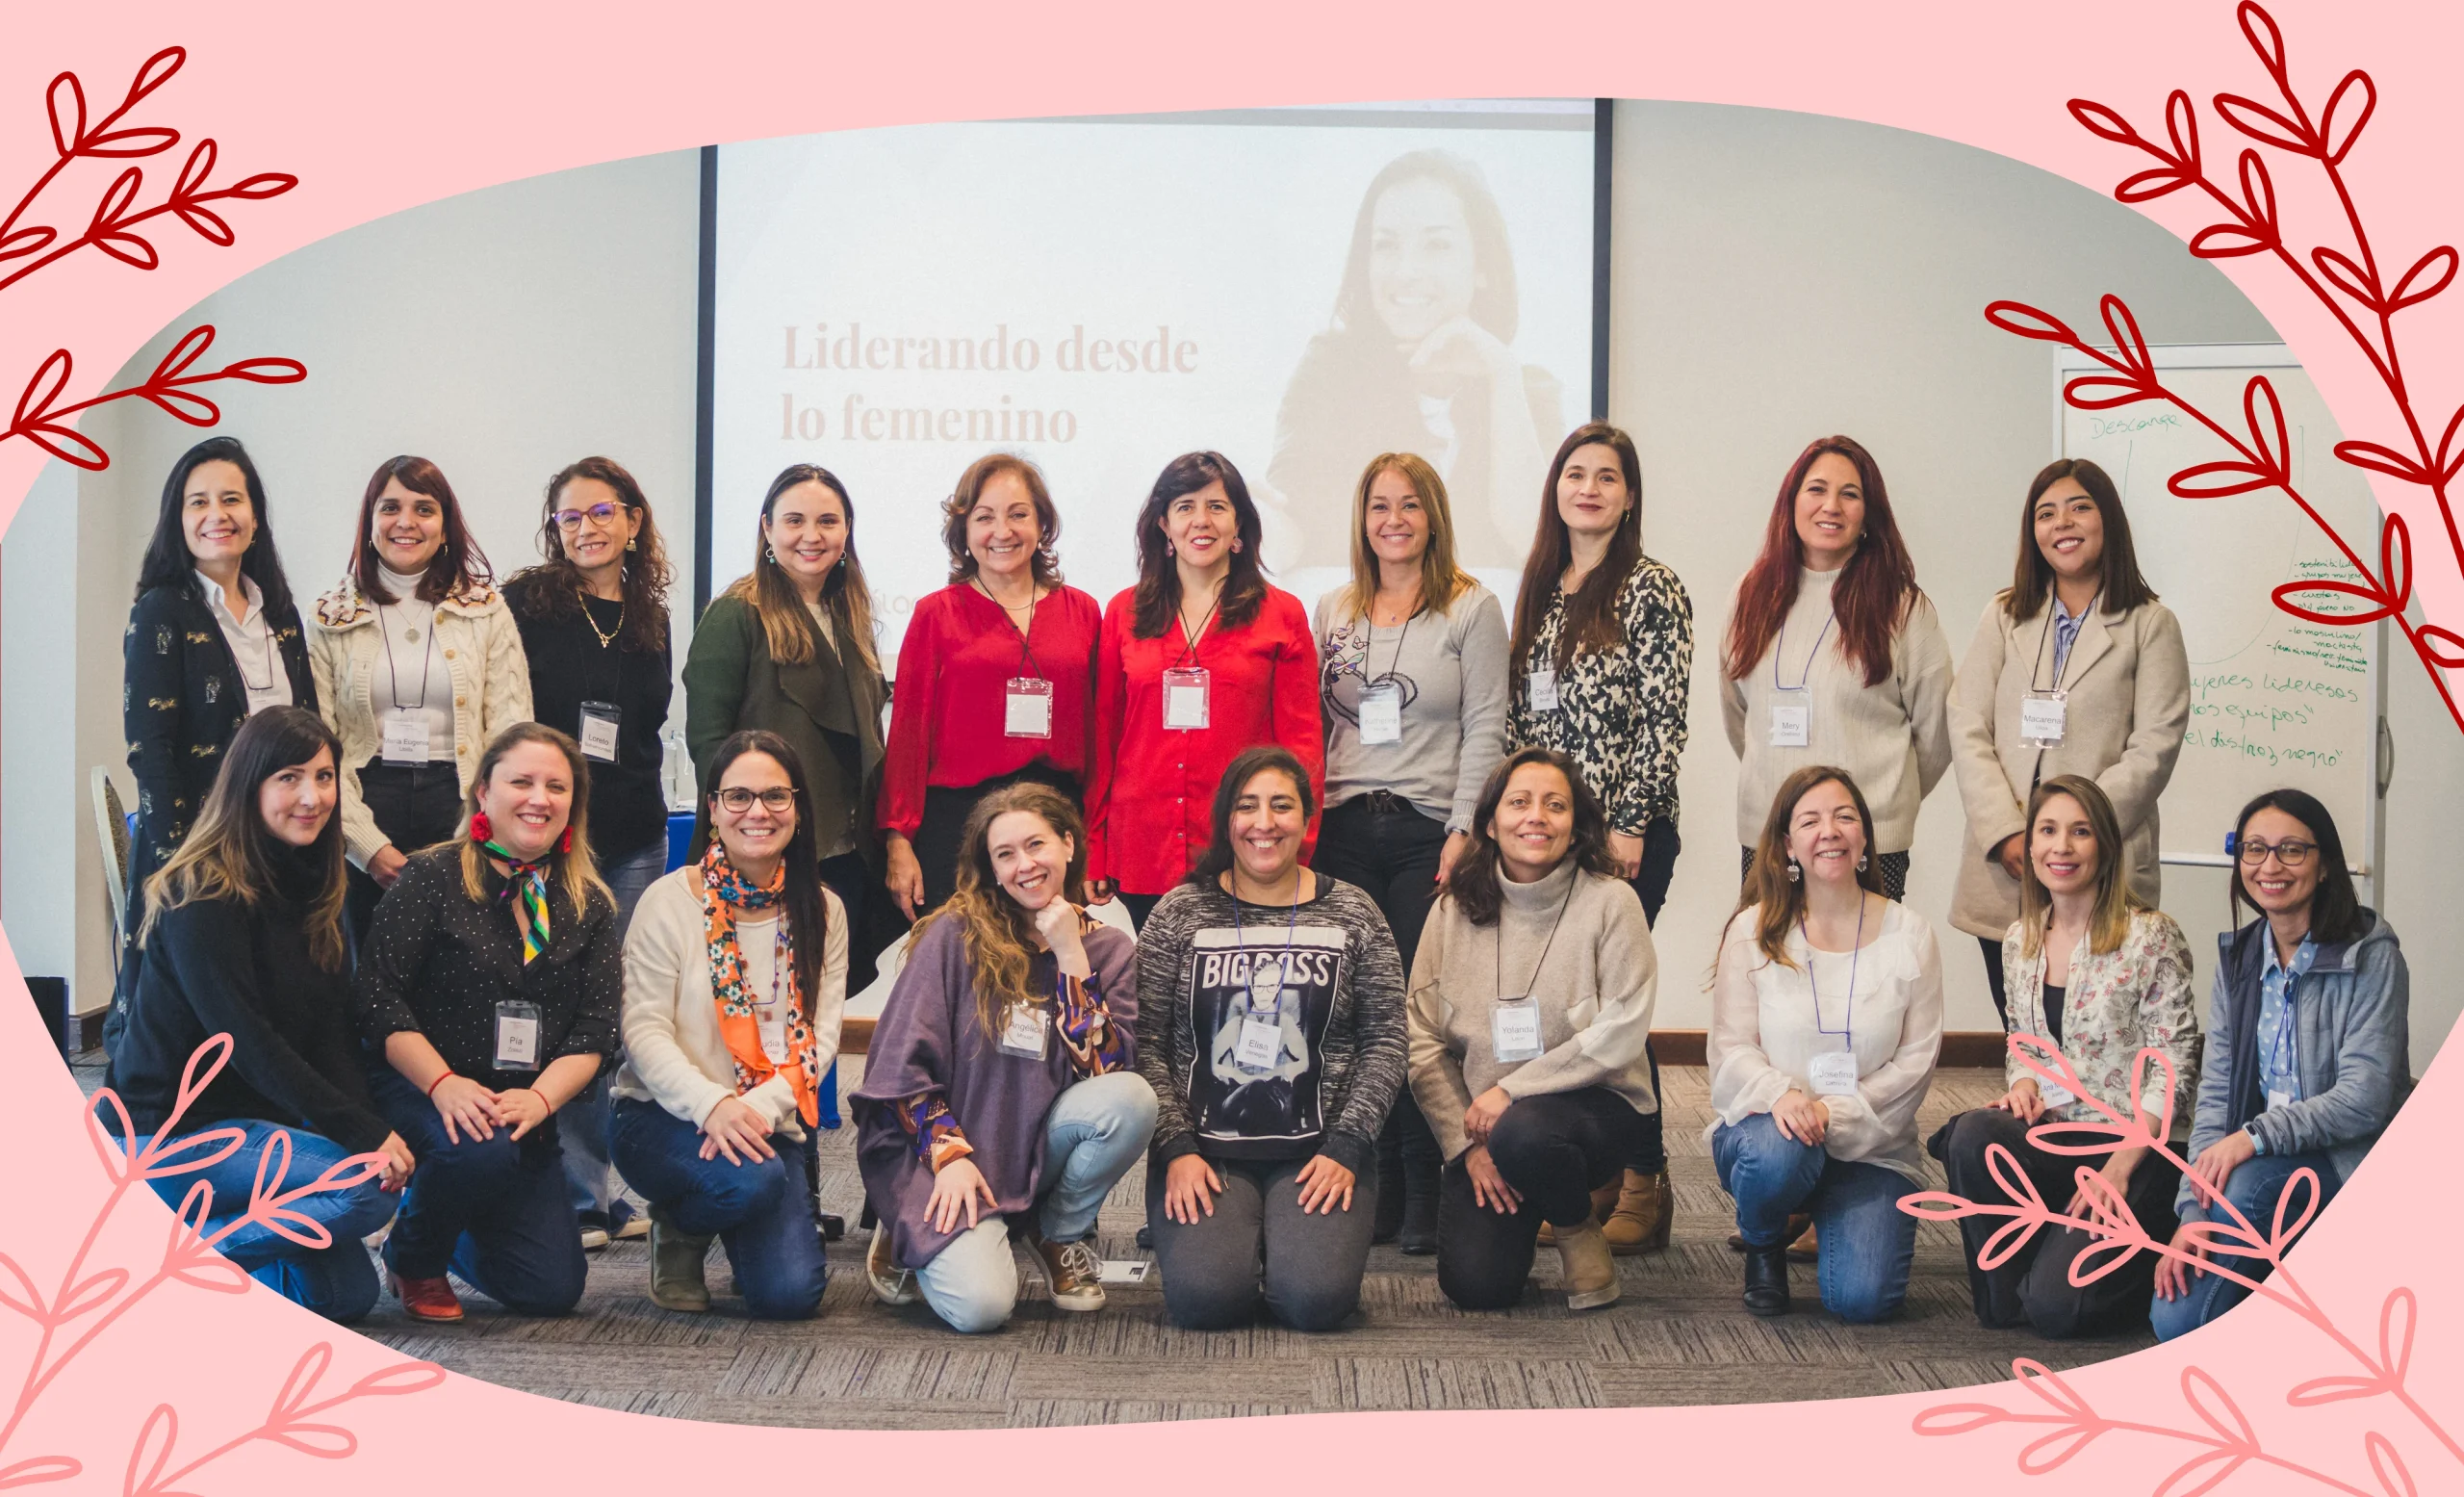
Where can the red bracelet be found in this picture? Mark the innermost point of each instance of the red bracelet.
(438, 1082)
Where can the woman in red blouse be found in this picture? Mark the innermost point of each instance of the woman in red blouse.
(1199, 661)
(994, 683)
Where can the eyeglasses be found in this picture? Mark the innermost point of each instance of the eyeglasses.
(779, 798)
(2290, 852)
(571, 519)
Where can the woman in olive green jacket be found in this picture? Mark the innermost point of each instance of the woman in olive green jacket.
(789, 648)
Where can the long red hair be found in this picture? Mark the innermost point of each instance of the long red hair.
(1869, 601)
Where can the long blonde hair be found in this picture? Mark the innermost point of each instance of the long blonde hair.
(1442, 582)
(998, 931)
(1779, 900)
(229, 853)
(786, 626)
(575, 870)
(2109, 921)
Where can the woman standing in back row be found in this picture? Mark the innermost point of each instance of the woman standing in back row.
(2075, 669)
(419, 666)
(1604, 650)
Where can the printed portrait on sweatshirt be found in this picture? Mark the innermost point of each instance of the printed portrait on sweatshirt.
(1285, 978)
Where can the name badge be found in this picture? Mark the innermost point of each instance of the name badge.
(1791, 724)
(1832, 1074)
(599, 720)
(1514, 1030)
(517, 1036)
(405, 731)
(1185, 693)
(1026, 708)
(2277, 1098)
(1261, 1042)
(1544, 691)
(2042, 717)
(1027, 1032)
(1381, 713)
(2054, 1093)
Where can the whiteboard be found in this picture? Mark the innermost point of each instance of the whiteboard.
(2274, 701)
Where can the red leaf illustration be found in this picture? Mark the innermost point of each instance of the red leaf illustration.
(2262, 123)
(2265, 40)
(2153, 183)
(2387, 1467)
(2265, 417)
(41, 1469)
(2432, 636)
(2395, 1335)
(156, 72)
(2126, 336)
(2379, 607)
(42, 389)
(329, 1442)
(266, 371)
(2395, 561)
(2218, 481)
(206, 222)
(68, 114)
(124, 188)
(93, 1293)
(2026, 322)
(2104, 392)
(2258, 191)
(2347, 276)
(2331, 1390)
(70, 446)
(163, 1424)
(187, 351)
(2100, 121)
(2381, 459)
(26, 242)
(28, 1299)
(2439, 266)
(399, 1379)
(144, 141)
(2054, 1449)
(303, 1381)
(2340, 137)
(2225, 241)
(1959, 1418)
(200, 166)
(194, 409)
(128, 248)
(2200, 1473)
(2207, 1397)
(2447, 465)
(2181, 121)
(264, 183)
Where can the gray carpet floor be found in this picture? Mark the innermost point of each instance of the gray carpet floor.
(1678, 1335)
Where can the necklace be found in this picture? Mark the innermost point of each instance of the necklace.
(609, 637)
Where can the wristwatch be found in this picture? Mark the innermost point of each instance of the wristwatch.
(2258, 1145)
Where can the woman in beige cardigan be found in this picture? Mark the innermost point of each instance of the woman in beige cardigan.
(418, 668)
(2075, 669)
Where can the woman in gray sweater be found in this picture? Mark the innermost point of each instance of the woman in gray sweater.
(1530, 1001)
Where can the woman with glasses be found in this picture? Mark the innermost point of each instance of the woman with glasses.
(593, 620)
(2306, 1051)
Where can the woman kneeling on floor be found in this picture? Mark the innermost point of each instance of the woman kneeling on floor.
(492, 978)
(736, 972)
(1531, 998)
(1270, 1023)
(2089, 969)
(1000, 1081)
(1825, 1021)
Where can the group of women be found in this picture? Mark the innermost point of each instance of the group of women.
(1394, 869)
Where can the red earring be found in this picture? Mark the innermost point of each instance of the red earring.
(564, 843)
(480, 831)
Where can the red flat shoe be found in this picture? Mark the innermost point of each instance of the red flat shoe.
(427, 1298)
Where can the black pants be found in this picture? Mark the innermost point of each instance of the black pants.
(416, 806)
(946, 808)
(2033, 1287)
(1650, 882)
(1993, 945)
(1138, 906)
(1555, 1150)
(1389, 848)
(1891, 865)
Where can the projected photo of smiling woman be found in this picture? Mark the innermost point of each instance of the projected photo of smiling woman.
(1419, 359)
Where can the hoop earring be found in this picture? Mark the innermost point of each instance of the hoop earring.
(1794, 872)
(1169, 550)
(1861, 862)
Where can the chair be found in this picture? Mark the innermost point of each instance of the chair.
(111, 827)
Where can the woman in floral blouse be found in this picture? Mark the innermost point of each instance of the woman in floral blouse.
(2090, 970)
(1603, 647)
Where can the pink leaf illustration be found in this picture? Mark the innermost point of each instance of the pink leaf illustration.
(326, 1441)
(68, 112)
(2082, 1138)
(303, 1381)
(2054, 1449)
(113, 1153)
(2048, 1384)
(2305, 1184)
(204, 1064)
(2208, 1399)
(2331, 1390)
(2395, 1335)
(27, 1301)
(202, 1149)
(2103, 1259)
(41, 1468)
(44, 388)
(2340, 135)
(90, 1294)
(399, 1379)
(1936, 1205)
(161, 1432)
(1959, 1418)
(2220, 1237)
(156, 72)
(2387, 1467)
(2438, 266)
(2004, 1166)
(2200, 1473)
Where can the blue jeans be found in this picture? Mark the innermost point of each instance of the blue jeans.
(1866, 1242)
(584, 1123)
(1094, 1132)
(339, 1281)
(492, 1210)
(760, 1211)
(2254, 1190)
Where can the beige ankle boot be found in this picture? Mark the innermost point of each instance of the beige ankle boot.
(1641, 1218)
(1590, 1273)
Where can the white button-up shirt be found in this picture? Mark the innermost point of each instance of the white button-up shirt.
(261, 674)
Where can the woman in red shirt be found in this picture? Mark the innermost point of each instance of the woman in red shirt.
(994, 683)
(1199, 661)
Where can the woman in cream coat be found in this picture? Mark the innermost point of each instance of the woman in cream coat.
(416, 633)
(2080, 645)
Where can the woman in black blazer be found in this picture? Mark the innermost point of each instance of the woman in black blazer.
(213, 638)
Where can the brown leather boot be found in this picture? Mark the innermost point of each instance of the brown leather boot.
(1640, 1219)
(1603, 1200)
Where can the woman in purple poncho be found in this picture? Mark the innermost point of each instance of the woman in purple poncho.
(1002, 1079)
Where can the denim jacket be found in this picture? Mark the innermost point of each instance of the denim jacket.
(2351, 1037)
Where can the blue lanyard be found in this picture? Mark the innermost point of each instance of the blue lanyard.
(2284, 1053)
(1848, 1029)
(1803, 676)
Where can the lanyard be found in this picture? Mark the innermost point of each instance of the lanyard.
(1189, 651)
(427, 660)
(1026, 650)
(1848, 1029)
(1283, 969)
(264, 636)
(1803, 676)
(1544, 946)
(1366, 643)
(2284, 1052)
(2050, 626)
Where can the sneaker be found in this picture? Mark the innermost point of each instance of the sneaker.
(891, 1284)
(594, 1229)
(1072, 1268)
(629, 1224)
(429, 1300)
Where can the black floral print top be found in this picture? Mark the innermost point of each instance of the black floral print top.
(1621, 713)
